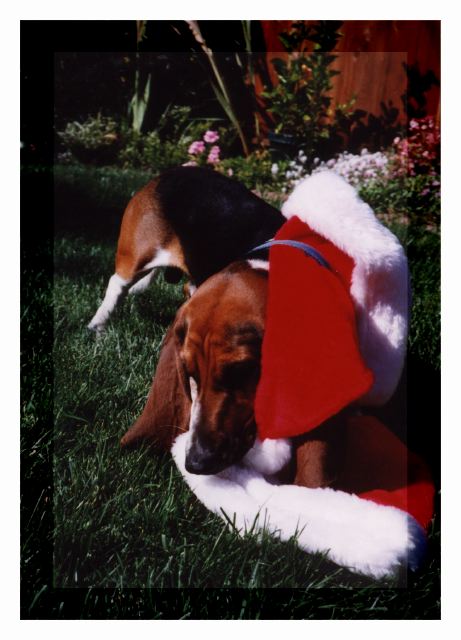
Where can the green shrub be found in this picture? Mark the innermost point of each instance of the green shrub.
(149, 151)
(415, 197)
(167, 146)
(96, 140)
(300, 103)
(256, 171)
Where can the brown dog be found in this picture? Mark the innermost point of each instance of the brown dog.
(206, 381)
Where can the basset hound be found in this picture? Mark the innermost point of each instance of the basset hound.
(206, 382)
(188, 219)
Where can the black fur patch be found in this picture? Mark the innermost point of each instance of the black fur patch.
(217, 219)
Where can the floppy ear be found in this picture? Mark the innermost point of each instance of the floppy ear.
(167, 409)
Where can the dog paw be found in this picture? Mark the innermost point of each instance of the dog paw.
(97, 328)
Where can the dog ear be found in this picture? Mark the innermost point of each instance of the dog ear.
(166, 413)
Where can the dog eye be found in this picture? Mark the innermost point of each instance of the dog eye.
(238, 374)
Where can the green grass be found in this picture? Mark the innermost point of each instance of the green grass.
(125, 527)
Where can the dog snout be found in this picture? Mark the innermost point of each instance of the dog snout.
(202, 460)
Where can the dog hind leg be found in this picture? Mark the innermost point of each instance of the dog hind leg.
(115, 291)
(142, 284)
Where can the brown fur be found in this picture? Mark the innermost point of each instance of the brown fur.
(143, 232)
(166, 413)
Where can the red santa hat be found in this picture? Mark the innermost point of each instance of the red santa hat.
(333, 335)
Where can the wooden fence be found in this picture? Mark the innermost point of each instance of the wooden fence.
(372, 55)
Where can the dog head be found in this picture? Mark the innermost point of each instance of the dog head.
(219, 334)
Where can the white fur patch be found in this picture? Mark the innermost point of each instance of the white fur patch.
(193, 389)
(268, 456)
(114, 292)
(259, 264)
(380, 282)
(195, 410)
(358, 534)
(163, 258)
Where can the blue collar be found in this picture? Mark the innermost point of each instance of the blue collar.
(306, 248)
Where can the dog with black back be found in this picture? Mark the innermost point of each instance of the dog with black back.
(190, 219)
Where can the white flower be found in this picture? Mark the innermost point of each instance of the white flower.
(274, 169)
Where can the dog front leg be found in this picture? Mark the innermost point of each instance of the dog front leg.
(319, 453)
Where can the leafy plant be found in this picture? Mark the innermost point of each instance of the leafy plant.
(416, 199)
(149, 151)
(170, 143)
(257, 172)
(220, 86)
(138, 105)
(94, 140)
(95, 132)
(299, 103)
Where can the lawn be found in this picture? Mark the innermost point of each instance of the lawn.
(125, 527)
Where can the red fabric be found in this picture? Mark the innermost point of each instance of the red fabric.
(377, 466)
(311, 364)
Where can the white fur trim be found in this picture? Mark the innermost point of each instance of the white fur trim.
(380, 284)
(256, 263)
(358, 534)
(268, 456)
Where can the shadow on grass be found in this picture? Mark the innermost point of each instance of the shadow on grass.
(78, 214)
(90, 201)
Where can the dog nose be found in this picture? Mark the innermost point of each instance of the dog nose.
(202, 461)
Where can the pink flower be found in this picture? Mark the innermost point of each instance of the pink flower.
(191, 163)
(196, 148)
(213, 156)
(211, 136)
